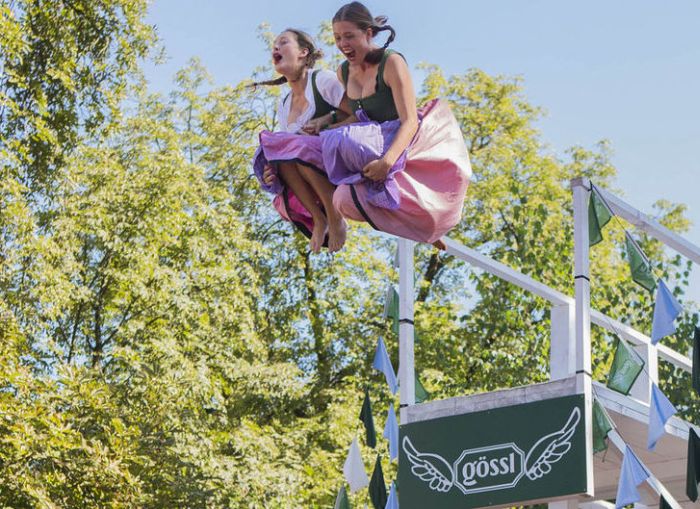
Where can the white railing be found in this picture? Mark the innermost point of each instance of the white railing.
(570, 345)
(569, 353)
(581, 188)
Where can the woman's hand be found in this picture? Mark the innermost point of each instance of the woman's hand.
(315, 125)
(269, 176)
(376, 170)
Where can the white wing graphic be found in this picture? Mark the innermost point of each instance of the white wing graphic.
(550, 449)
(429, 467)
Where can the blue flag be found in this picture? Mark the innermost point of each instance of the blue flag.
(391, 433)
(383, 364)
(666, 309)
(660, 411)
(632, 474)
(393, 501)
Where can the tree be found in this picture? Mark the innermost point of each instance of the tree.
(167, 341)
(64, 68)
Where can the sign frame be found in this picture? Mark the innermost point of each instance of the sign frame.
(448, 451)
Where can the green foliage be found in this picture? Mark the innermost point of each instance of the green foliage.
(64, 66)
(167, 341)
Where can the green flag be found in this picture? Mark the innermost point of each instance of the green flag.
(696, 361)
(377, 488)
(421, 394)
(663, 503)
(640, 267)
(601, 427)
(598, 216)
(626, 367)
(391, 307)
(341, 501)
(693, 470)
(368, 421)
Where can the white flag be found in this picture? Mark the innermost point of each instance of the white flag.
(354, 468)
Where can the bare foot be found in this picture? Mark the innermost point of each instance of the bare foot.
(440, 245)
(318, 235)
(337, 232)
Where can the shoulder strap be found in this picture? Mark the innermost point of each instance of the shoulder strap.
(314, 87)
(321, 106)
(380, 72)
(344, 71)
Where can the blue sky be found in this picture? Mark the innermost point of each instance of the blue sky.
(624, 70)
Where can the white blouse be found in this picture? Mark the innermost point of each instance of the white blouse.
(328, 86)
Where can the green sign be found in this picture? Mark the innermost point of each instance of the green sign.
(501, 456)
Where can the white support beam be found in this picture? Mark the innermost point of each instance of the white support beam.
(582, 293)
(559, 299)
(562, 361)
(407, 375)
(506, 273)
(571, 503)
(598, 504)
(582, 285)
(637, 338)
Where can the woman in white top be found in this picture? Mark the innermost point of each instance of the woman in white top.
(303, 193)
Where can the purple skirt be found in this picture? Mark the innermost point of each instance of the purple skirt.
(280, 147)
(348, 149)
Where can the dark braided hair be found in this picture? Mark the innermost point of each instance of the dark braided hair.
(359, 15)
(304, 40)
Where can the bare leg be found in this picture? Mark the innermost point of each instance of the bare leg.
(337, 227)
(301, 188)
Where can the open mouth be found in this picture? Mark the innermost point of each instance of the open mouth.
(276, 58)
(349, 54)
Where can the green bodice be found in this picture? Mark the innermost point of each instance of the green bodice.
(379, 106)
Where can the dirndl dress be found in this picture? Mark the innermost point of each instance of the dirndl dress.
(423, 194)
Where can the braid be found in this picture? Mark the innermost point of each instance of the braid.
(375, 56)
(277, 81)
(392, 35)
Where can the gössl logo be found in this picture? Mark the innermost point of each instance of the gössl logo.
(495, 467)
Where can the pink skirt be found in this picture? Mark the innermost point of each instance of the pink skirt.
(431, 185)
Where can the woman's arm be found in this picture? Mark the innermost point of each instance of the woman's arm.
(316, 125)
(398, 78)
(344, 113)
